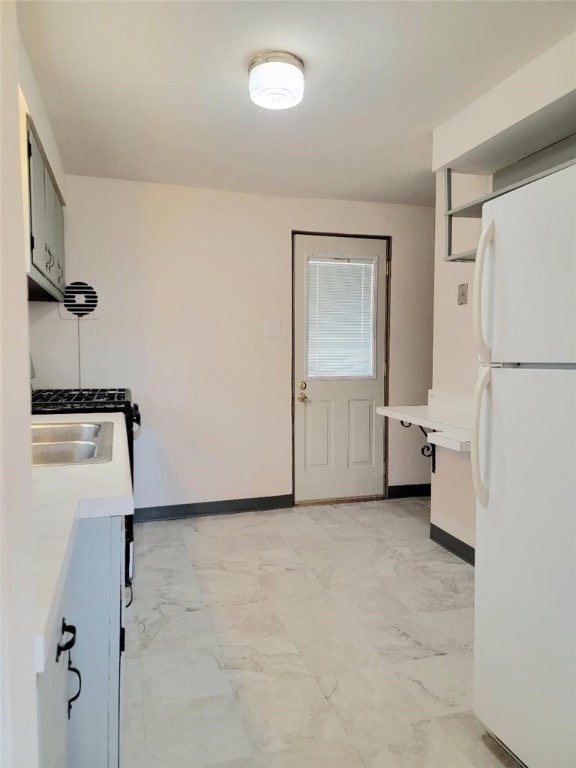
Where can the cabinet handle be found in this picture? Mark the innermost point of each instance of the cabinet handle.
(67, 629)
(79, 691)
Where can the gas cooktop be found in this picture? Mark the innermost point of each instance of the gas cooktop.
(97, 397)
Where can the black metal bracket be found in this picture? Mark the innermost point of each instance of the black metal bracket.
(75, 671)
(67, 629)
(428, 450)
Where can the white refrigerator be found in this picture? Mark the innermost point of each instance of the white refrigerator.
(524, 471)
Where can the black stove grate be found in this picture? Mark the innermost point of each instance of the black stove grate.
(80, 397)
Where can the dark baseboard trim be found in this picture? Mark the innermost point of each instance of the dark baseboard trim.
(452, 544)
(408, 491)
(177, 511)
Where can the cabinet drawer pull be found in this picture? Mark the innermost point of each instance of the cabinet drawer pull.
(67, 629)
(79, 691)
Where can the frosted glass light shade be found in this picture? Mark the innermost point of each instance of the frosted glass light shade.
(276, 80)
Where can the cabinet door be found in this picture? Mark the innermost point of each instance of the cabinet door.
(37, 205)
(60, 278)
(52, 698)
(51, 234)
(94, 600)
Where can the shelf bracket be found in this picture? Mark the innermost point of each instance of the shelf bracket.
(429, 449)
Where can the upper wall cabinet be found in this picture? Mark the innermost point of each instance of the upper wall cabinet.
(46, 267)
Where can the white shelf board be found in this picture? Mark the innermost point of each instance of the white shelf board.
(465, 256)
(451, 428)
(473, 209)
(454, 440)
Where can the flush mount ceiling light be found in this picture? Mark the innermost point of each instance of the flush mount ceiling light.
(276, 80)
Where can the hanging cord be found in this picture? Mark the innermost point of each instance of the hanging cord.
(79, 357)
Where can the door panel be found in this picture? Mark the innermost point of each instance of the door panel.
(319, 435)
(525, 607)
(360, 429)
(339, 365)
(529, 281)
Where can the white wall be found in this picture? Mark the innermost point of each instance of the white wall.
(187, 280)
(18, 740)
(455, 359)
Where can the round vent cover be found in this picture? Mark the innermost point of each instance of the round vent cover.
(80, 298)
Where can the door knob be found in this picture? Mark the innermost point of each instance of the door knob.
(302, 398)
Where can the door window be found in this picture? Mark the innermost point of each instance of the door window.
(341, 318)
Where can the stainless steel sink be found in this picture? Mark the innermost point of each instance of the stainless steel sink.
(80, 443)
(63, 433)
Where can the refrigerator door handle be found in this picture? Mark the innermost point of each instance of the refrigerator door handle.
(484, 351)
(481, 490)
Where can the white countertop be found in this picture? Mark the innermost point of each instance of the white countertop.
(61, 496)
(452, 429)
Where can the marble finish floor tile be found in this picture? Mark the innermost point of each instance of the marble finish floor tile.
(182, 733)
(133, 739)
(283, 714)
(335, 636)
(335, 753)
(184, 674)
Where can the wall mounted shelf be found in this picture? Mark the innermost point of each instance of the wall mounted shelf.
(449, 428)
(473, 209)
(465, 256)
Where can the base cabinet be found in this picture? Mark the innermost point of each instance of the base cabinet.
(79, 694)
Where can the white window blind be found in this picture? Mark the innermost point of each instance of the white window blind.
(341, 318)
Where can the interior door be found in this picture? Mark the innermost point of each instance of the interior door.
(525, 577)
(339, 366)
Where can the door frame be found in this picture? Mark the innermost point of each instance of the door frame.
(388, 239)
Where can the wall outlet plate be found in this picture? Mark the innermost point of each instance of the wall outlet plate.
(463, 293)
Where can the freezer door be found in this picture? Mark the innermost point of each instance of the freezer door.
(527, 279)
(525, 603)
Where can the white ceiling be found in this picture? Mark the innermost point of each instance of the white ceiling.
(157, 91)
